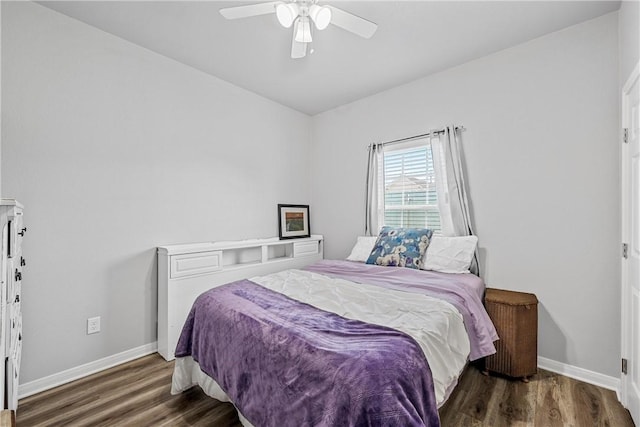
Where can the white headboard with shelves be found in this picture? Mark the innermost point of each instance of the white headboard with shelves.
(186, 271)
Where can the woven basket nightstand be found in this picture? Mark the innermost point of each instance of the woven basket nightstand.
(515, 316)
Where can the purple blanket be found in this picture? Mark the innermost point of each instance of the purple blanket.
(460, 290)
(286, 363)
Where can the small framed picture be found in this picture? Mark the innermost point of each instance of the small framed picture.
(293, 221)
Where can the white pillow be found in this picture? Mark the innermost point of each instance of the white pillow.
(362, 248)
(450, 254)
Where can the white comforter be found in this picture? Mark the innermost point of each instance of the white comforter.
(435, 325)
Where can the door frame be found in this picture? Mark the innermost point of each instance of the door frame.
(626, 317)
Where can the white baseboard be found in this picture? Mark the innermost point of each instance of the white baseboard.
(46, 383)
(595, 378)
(55, 380)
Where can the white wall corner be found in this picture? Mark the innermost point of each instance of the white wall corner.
(581, 374)
(60, 378)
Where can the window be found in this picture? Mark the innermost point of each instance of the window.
(410, 198)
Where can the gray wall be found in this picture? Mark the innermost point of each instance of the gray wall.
(541, 153)
(629, 27)
(114, 150)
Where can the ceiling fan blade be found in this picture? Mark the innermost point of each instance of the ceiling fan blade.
(249, 10)
(298, 49)
(352, 23)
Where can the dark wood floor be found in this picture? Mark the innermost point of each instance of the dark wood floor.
(548, 400)
(137, 394)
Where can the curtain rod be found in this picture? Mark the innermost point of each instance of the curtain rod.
(460, 128)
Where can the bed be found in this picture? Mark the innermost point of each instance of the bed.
(335, 343)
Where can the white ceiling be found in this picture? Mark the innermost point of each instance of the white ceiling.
(414, 39)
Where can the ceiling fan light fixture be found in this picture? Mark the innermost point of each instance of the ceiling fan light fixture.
(287, 13)
(299, 14)
(303, 30)
(321, 16)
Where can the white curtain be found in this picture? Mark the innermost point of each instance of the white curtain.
(374, 210)
(450, 186)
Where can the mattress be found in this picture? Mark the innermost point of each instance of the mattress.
(436, 323)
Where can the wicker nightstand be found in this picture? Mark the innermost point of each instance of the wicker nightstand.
(515, 316)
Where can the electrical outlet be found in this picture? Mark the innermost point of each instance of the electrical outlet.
(93, 325)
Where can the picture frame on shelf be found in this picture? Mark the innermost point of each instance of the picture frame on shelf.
(293, 221)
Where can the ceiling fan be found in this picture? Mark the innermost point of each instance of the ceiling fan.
(300, 13)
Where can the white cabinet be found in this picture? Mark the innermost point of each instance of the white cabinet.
(11, 266)
(186, 271)
(196, 263)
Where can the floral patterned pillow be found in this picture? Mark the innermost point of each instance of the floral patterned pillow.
(400, 247)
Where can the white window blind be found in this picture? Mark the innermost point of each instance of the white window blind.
(410, 198)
